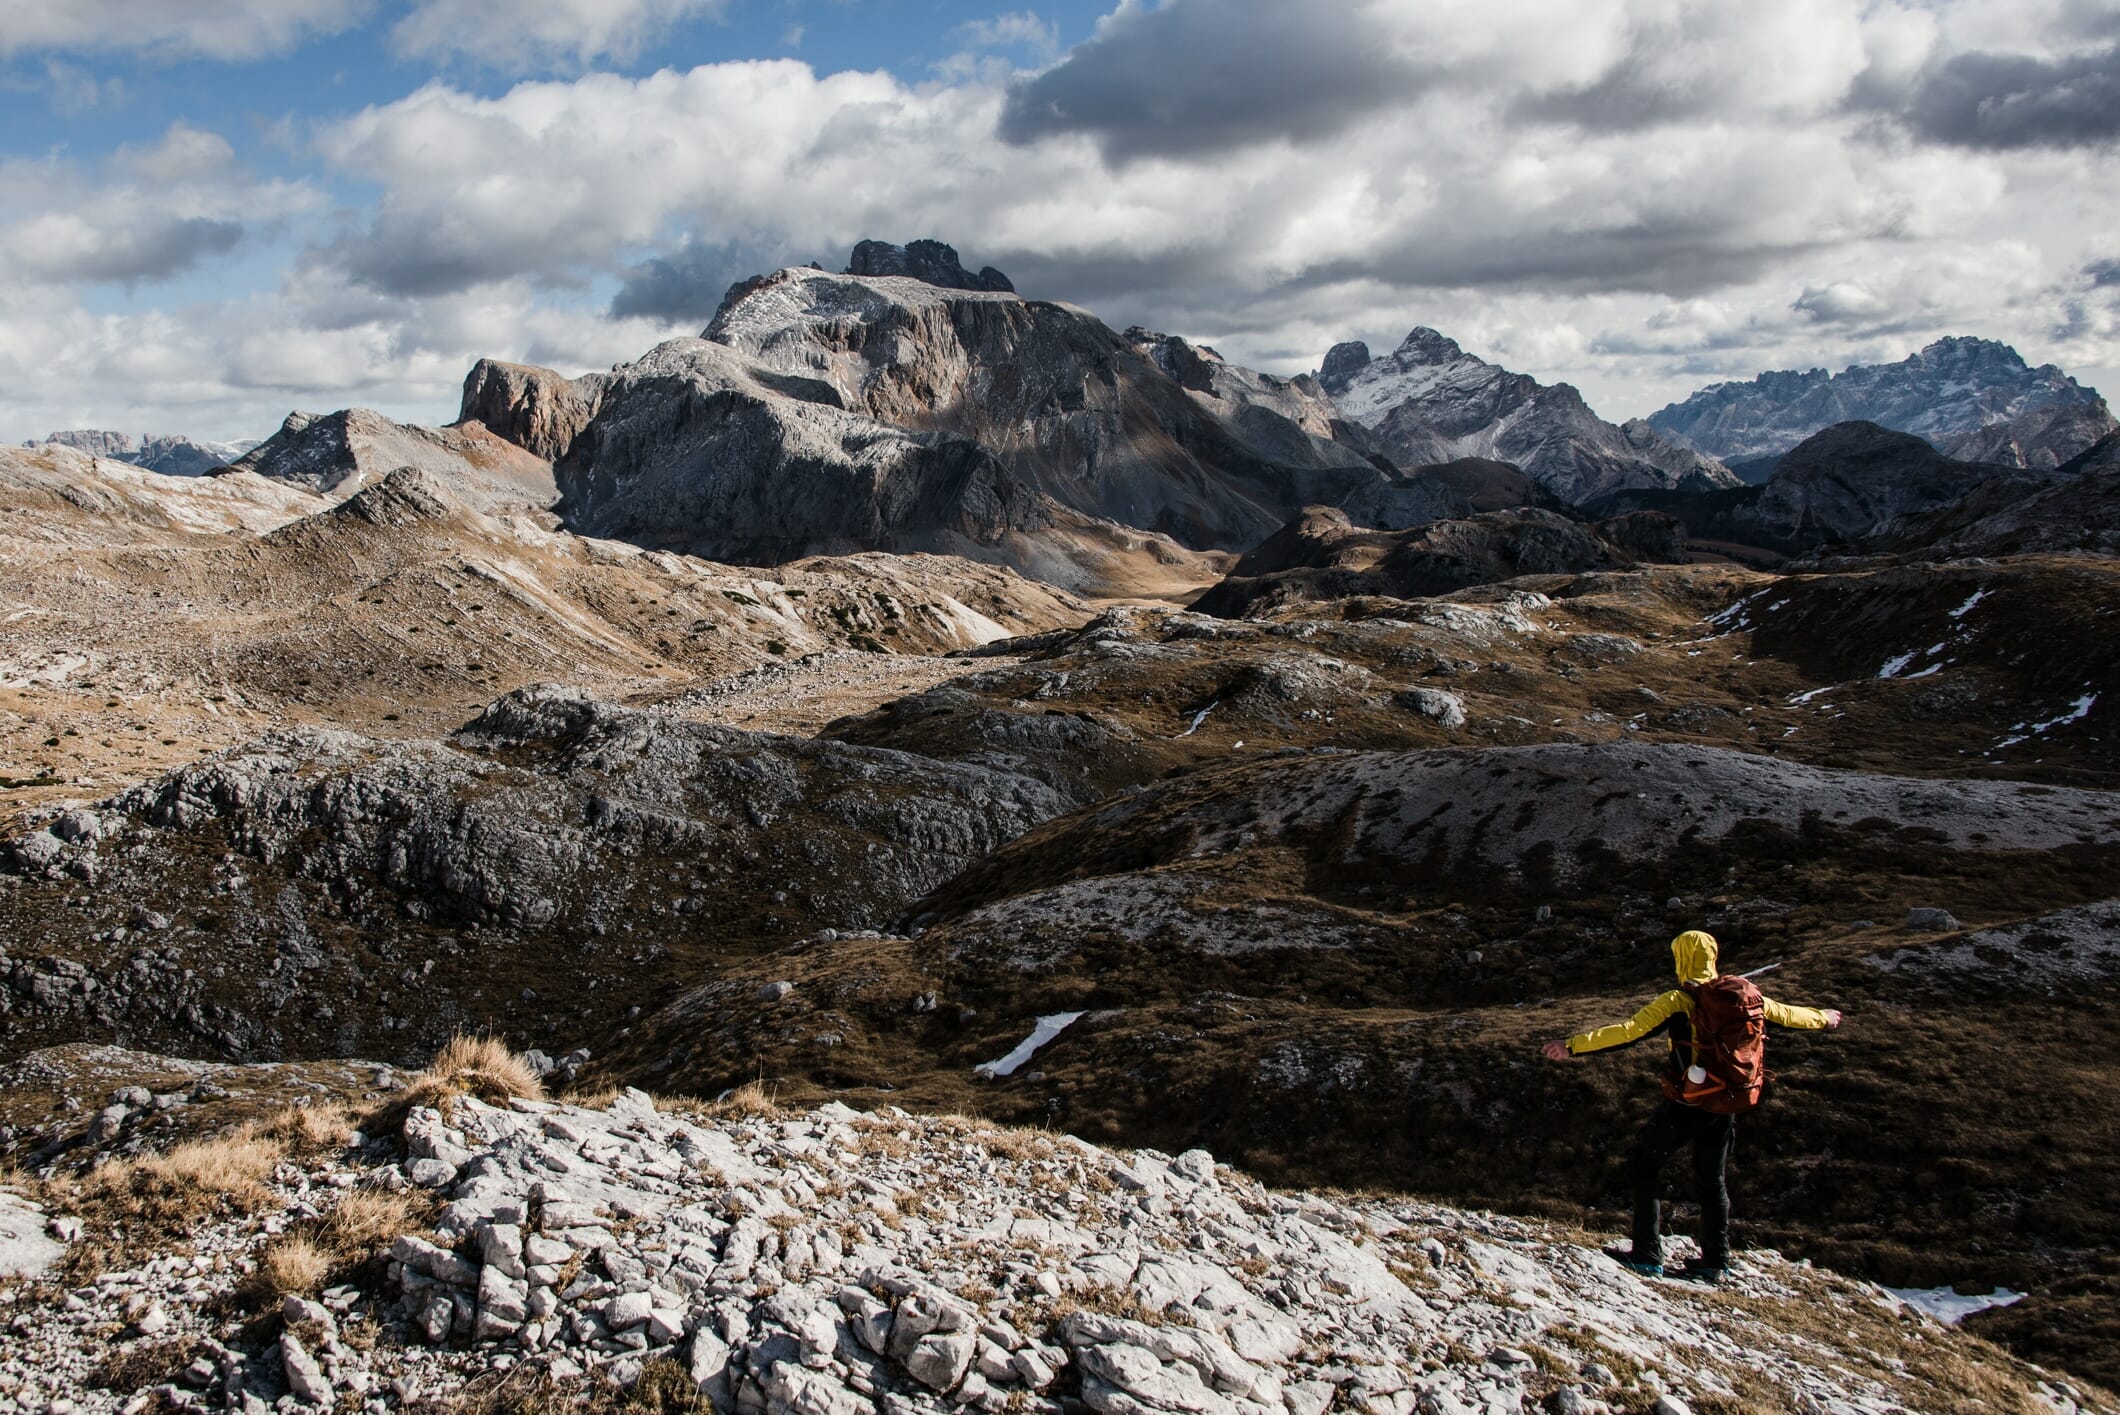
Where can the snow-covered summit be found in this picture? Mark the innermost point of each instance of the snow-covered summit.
(1428, 401)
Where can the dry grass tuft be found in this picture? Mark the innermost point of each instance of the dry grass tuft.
(478, 1066)
(330, 1248)
(140, 1364)
(367, 1220)
(219, 1174)
(465, 1066)
(663, 1389)
(293, 1263)
(308, 1128)
(1014, 1143)
(750, 1101)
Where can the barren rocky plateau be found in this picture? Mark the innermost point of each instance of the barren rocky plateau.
(1161, 914)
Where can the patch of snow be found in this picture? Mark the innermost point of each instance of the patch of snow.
(2077, 711)
(1049, 1026)
(1894, 667)
(1950, 1307)
(1198, 718)
(1964, 609)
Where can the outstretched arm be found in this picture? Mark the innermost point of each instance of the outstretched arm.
(1619, 1034)
(1809, 1019)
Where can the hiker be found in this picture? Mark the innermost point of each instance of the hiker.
(1716, 1023)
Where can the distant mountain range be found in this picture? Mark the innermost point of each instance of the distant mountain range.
(170, 454)
(1974, 399)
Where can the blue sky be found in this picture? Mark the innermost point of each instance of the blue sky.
(215, 211)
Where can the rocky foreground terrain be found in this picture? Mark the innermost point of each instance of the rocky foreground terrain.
(472, 1246)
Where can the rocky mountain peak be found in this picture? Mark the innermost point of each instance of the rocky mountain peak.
(1344, 358)
(1960, 351)
(931, 261)
(1429, 402)
(1429, 346)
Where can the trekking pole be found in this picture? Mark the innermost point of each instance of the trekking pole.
(1757, 971)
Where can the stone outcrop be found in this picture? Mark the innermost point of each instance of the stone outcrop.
(931, 262)
(824, 414)
(550, 815)
(699, 449)
(1073, 409)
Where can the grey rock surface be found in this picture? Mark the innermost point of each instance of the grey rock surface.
(27, 1249)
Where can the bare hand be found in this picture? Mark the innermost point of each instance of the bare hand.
(1832, 1018)
(1557, 1051)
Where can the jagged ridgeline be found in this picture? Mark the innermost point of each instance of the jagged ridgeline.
(912, 693)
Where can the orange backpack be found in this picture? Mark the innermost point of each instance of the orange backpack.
(1729, 1044)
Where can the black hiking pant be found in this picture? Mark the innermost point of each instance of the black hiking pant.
(1710, 1135)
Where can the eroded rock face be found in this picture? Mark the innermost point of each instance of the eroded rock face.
(2041, 440)
(2020, 514)
(700, 449)
(534, 408)
(1087, 416)
(1428, 401)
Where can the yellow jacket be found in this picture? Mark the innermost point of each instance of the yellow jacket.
(1693, 954)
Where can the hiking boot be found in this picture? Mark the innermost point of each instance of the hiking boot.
(1626, 1259)
(1696, 1270)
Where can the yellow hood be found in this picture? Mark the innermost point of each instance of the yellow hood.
(1693, 954)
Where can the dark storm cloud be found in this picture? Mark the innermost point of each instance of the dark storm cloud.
(1987, 100)
(687, 284)
(2103, 272)
(1202, 76)
(407, 259)
(154, 251)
